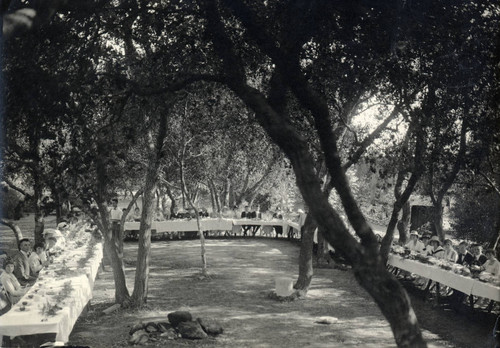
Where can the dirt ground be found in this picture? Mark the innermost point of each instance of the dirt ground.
(243, 273)
(242, 276)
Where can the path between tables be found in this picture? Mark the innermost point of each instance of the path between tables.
(243, 272)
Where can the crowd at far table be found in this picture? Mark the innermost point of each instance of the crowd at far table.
(45, 287)
(462, 270)
(229, 222)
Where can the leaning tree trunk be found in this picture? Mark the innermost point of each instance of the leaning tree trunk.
(270, 112)
(139, 296)
(14, 227)
(305, 257)
(404, 223)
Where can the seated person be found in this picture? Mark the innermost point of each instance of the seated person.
(21, 262)
(246, 214)
(464, 257)
(38, 259)
(427, 250)
(255, 214)
(449, 253)
(492, 265)
(414, 244)
(136, 215)
(10, 282)
(436, 248)
(51, 248)
(191, 213)
(277, 215)
(159, 216)
(478, 259)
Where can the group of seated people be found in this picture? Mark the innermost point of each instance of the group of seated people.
(163, 216)
(21, 269)
(431, 246)
(249, 212)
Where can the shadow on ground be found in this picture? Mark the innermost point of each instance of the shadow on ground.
(242, 276)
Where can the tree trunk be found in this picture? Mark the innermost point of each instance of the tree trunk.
(17, 231)
(270, 113)
(139, 296)
(37, 200)
(437, 219)
(200, 231)
(404, 223)
(212, 197)
(111, 247)
(305, 257)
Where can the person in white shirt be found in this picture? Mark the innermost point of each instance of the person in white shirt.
(115, 216)
(414, 244)
(22, 269)
(449, 253)
(492, 265)
(36, 262)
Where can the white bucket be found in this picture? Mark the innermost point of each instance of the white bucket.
(284, 286)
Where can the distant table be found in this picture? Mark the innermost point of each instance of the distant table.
(467, 285)
(31, 321)
(208, 224)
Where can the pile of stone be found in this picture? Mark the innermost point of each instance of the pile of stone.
(178, 324)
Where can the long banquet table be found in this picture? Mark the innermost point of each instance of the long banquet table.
(467, 285)
(209, 224)
(31, 320)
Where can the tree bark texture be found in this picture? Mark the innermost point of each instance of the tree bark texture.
(404, 223)
(305, 257)
(139, 296)
(111, 246)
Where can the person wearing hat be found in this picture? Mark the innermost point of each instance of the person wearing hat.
(449, 253)
(414, 244)
(10, 283)
(436, 248)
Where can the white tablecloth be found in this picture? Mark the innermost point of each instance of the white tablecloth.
(31, 321)
(467, 285)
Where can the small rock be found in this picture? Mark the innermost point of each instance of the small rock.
(326, 320)
(136, 327)
(170, 334)
(210, 326)
(192, 330)
(151, 327)
(178, 317)
(139, 337)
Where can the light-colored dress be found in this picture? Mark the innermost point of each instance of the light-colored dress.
(35, 262)
(450, 255)
(11, 286)
(492, 267)
(417, 246)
